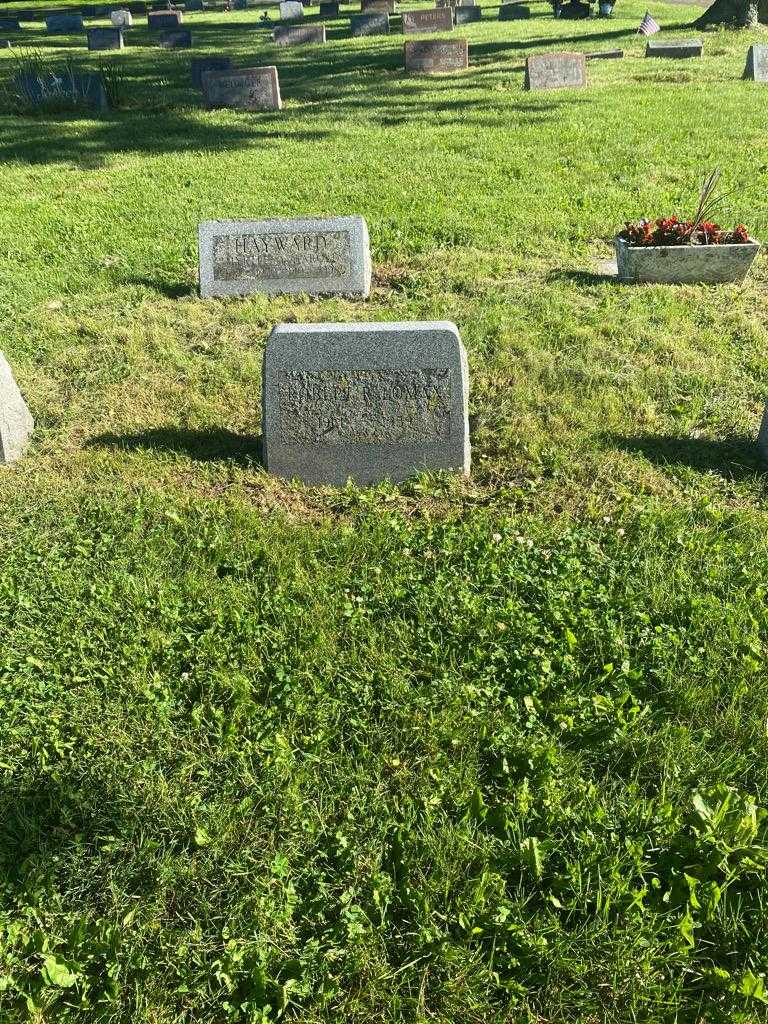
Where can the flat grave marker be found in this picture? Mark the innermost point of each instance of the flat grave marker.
(559, 70)
(16, 423)
(298, 35)
(605, 55)
(157, 21)
(436, 56)
(514, 12)
(313, 256)
(757, 63)
(193, 5)
(329, 9)
(439, 19)
(105, 39)
(86, 90)
(679, 48)
(366, 402)
(202, 64)
(370, 24)
(377, 7)
(241, 89)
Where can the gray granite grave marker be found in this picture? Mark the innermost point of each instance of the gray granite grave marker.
(555, 71)
(436, 56)
(374, 24)
(64, 24)
(121, 19)
(176, 39)
(513, 12)
(329, 10)
(762, 437)
(605, 55)
(68, 89)
(105, 39)
(203, 64)
(377, 7)
(467, 13)
(194, 5)
(757, 63)
(366, 402)
(16, 423)
(679, 48)
(298, 35)
(242, 89)
(157, 21)
(439, 19)
(314, 255)
(290, 10)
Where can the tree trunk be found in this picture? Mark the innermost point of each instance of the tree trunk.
(744, 13)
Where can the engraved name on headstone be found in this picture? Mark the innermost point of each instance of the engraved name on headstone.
(436, 56)
(105, 38)
(439, 19)
(605, 55)
(375, 24)
(16, 423)
(202, 64)
(556, 71)
(679, 48)
(298, 35)
(41, 90)
(366, 402)
(757, 63)
(242, 89)
(314, 255)
(64, 24)
(159, 20)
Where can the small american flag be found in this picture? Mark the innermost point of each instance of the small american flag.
(648, 26)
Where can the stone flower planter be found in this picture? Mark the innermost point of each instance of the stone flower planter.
(684, 264)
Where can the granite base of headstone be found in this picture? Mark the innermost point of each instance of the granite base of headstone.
(16, 423)
(64, 24)
(175, 39)
(242, 89)
(605, 55)
(436, 56)
(375, 24)
(312, 256)
(514, 12)
(439, 19)
(757, 63)
(365, 402)
(679, 48)
(298, 35)
(560, 70)
(105, 39)
(465, 14)
(158, 21)
(66, 90)
(291, 10)
(202, 64)
(10, 25)
(121, 19)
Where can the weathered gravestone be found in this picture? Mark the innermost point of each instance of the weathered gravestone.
(157, 21)
(466, 13)
(67, 90)
(376, 24)
(242, 89)
(680, 48)
(10, 25)
(314, 255)
(366, 402)
(202, 64)
(16, 423)
(121, 19)
(64, 24)
(439, 19)
(105, 39)
(513, 12)
(555, 71)
(291, 10)
(757, 63)
(436, 56)
(193, 5)
(378, 7)
(329, 10)
(176, 39)
(605, 55)
(298, 35)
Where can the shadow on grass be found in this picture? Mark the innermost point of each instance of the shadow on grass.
(733, 458)
(211, 445)
(174, 290)
(586, 277)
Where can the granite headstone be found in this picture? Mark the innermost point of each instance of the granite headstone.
(757, 63)
(375, 24)
(378, 7)
(16, 423)
(121, 19)
(329, 9)
(291, 10)
(203, 64)
(559, 70)
(762, 437)
(158, 21)
(105, 39)
(366, 402)
(678, 48)
(439, 19)
(314, 255)
(298, 35)
(69, 89)
(64, 24)
(242, 89)
(605, 55)
(436, 56)
(193, 5)
(513, 12)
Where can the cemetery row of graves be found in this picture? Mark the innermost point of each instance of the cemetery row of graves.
(383, 550)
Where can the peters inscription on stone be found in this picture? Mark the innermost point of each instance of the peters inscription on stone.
(440, 19)
(315, 256)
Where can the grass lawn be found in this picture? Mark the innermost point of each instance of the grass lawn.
(450, 752)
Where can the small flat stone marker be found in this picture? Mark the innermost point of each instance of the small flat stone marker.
(436, 56)
(176, 39)
(86, 90)
(105, 39)
(64, 24)
(16, 423)
(290, 10)
(298, 35)
(513, 12)
(121, 19)
(439, 19)
(680, 48)
(467, 13)
(605, 55)
(159, 20)
(757, 63)
(370, 24)
(241, 89)
(10, 25)
(555, 71)
(366, 402)
(202, 64)
(314, 256)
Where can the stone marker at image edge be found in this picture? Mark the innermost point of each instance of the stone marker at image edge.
(298, 35)
(242, 89)
(436, 56)
(762, 437)
(679, 48)
(375, 23)
(313, 255)
(555, 71)
(368, 402)
(465, 14)
(16, 421)
(757, 63)
(439, 19)
(105, 38)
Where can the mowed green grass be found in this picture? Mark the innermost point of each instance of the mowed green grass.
(454, 751)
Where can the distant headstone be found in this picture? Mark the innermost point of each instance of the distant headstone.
(64, 24)
(176, 39)
(439, 19)
(159, 20)
(194, 5)
(464, 14)
(757, 63)
(377, 7)
(16, 423)
(242, 89)
(10, 25)
(679, 48)
(121, 19)
(316, 256)
(239, 5)
(513, 12)
(291, 9)
(436, 56)
(555, 71)
(105, 39)
(298, 35)
(376, 24)
(202, 64)
(329, 10)
(605, 55)
(366, 402)
(68, 89)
